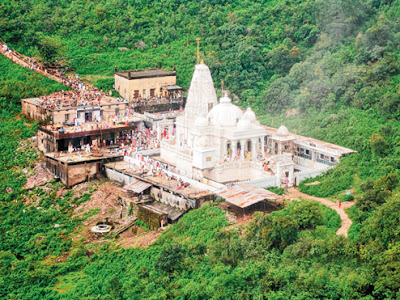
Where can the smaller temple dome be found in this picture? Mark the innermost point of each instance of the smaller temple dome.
(249, 114)
(225, 99)
(282, 131)
(201, 122)
(225, 113)
(244, 123)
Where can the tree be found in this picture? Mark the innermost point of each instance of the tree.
(171, 258)
(50, 48)
(378, 144)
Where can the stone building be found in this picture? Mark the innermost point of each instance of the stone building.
(145, 84)
(219, 142)
(215, 140)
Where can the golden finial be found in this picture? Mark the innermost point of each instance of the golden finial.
(198, 50)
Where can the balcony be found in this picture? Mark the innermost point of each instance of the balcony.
(325, 162)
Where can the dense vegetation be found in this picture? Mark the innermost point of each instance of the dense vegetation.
(328, 69)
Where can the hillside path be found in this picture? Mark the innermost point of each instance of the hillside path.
(346, 222)
(34, 65)
(23, 61)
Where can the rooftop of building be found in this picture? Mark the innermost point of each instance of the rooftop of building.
(312, 143)
(149, 73)
(87, 128)
(63, 101)
(243, 195)
(79, 157)
(172, 185)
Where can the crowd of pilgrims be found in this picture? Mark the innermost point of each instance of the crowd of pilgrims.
(132, 145)
(156, 100)
(131, 142)
(81, 97)
(82, 94)
(155, 168)
(139, 141)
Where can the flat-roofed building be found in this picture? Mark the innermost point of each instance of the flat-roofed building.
(146, 84)
(53, 139)
(70, 112)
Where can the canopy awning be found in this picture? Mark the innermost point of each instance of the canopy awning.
(245, 195)
(137, 186)
(171, 87)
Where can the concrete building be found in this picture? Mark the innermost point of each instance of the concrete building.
(74, 168)
(54, 139)
(145, 84)
(69, 113)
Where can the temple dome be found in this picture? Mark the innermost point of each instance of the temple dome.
(282, 131)
(201, 122)
(225, 113)
(249, 114)
(244, 123)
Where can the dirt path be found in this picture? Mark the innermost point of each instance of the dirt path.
(33, 64)
(21, 59)
(346, 222)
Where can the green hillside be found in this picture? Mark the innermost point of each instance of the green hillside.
(326, 69)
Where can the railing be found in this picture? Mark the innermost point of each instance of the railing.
(168, 115)
(262, 182)
(240, 164)
(300, 176)
(95, 131)
(317, 147)
(151, 152)
(304, 156)
(325, 162)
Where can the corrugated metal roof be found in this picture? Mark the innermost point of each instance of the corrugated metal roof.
(245, 195)
(137, 186)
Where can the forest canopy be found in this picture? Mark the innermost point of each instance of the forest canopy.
(326, 69)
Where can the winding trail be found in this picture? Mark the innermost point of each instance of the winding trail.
(346, 222)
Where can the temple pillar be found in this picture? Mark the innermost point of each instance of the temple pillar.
(158, 132)
(263, 147)
(278, 175)
(242, 147)
(291, 175)
(254, 149)
(234, 149)
(224, 149)
(170, 128)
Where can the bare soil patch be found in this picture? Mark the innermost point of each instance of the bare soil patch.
(142, 239)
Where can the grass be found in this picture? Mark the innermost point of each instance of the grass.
(92, 212)
(67, 282)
